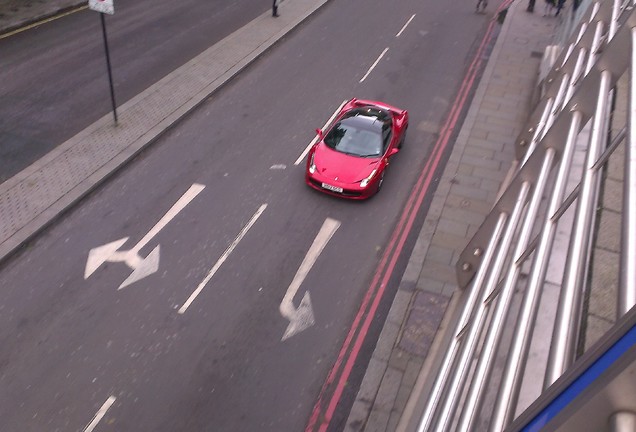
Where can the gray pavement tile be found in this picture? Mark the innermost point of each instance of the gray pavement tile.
(612, 194)
(399, 307)
(604, 284)
(422, 323)
(596, 328)
(389, 387)
(386, 341)
(609, 231)
(399, 360)
(466, 215)
(373, 378)
(357, 416)
(378, 421)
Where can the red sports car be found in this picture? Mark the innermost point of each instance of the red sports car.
(350, 158)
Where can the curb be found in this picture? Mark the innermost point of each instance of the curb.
(20, 24)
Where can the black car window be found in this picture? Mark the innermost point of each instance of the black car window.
(363, 133)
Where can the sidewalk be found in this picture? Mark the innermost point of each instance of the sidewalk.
(35, 197)
(482, 157)
(15, 14)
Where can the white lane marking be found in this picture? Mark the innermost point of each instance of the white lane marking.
(222, 259)
(278, 167)
(141, 267)
(405, 25)
(185, 199)
(374, 64)
(313, 141)
(98, 416)
(303, 317)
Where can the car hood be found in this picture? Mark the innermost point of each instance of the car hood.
(342, 167)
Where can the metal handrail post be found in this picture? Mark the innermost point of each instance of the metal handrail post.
(474, 401)
(468, 349)
(451, 353)
(566, 329)
(623, 421)
(508, 395)
(627, 285)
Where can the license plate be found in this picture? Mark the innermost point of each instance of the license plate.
(332, 188)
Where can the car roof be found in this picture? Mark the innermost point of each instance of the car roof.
(367, 117)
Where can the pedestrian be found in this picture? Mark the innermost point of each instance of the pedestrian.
(549, 7)
(275, 8)
(530, 7)
(560, 4)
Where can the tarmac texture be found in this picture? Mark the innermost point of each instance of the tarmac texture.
(481, 159)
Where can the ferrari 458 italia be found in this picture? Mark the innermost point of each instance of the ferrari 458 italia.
(352, 153)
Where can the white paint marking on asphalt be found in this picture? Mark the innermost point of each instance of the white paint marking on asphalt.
(278, 167)
(374, 64)
(405, 26)
(222, 259)
(303, 317)
(102, 411)
(142, 267)
(313, 141)
(185, 199)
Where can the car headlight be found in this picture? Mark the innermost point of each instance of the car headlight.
(365, 182)
(312, 165)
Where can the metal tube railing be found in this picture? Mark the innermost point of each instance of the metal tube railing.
(627, 286)
(468, 349)
(623, 421)
(508, 395)
(455, 344)
(475, 397)
(566, 329)
(577, 90)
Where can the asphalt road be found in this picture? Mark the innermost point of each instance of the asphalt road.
(53, 78)
(72, 344)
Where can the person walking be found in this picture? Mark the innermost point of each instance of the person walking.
(560, 4)
(275, 8)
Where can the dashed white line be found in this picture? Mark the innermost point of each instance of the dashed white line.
(374, 64)
(222, 259)
(405, 26)
(101, 413)
(313, 141)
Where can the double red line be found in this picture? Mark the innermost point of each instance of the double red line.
(325, 406)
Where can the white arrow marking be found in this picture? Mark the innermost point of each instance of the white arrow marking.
(222, 259)
(142, 267)
(313, 141)
(303, 317)
(101, 413)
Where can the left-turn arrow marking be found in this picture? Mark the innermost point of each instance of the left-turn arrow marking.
(141, 267)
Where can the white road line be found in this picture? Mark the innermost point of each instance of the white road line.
(374, 64)
(405, 26)
(185, 199)
(313, 141)
(102, 411)
(222, 259)
(303, 317)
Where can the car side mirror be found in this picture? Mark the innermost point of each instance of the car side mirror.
(393, 151)
(319, 133)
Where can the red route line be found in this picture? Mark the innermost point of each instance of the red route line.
(408, 217)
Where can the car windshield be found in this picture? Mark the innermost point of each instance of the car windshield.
(360, 133)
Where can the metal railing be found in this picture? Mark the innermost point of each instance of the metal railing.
(511, 251)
